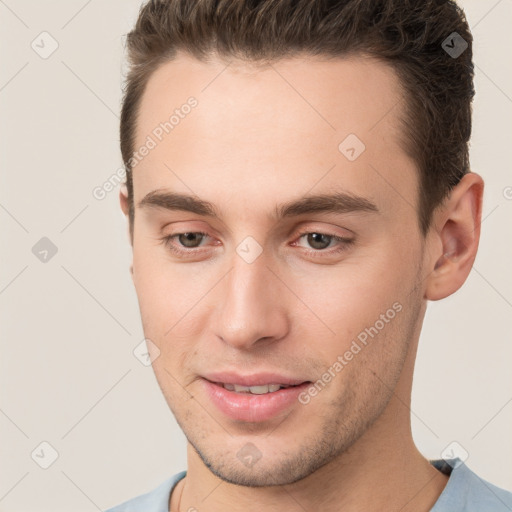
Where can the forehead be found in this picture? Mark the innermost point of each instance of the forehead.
(288, 124)
(338, 94)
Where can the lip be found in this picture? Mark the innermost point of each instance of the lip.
(257, 379)
(251, 408)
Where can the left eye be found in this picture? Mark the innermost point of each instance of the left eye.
(318, 241)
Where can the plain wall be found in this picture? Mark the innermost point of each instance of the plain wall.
(69, 325)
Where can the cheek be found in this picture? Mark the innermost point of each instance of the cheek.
(359, 293)
(169, 295)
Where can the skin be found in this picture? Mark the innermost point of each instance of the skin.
(254, 142)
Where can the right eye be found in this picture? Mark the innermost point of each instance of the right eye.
(185, 244)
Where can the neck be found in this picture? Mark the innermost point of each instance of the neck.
(391, 476)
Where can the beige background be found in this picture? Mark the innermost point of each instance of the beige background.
(70, 325)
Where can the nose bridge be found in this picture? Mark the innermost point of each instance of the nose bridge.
(249, 304)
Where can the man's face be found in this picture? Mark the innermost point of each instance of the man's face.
(270, 297)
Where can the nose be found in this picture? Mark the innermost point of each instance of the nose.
(252, 310)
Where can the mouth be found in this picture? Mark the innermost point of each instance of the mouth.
(254, 390)
(253, 398)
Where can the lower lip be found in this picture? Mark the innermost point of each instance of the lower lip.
(253, 408)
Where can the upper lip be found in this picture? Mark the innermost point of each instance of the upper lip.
(255, 379)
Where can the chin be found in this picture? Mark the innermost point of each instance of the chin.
(250, 467)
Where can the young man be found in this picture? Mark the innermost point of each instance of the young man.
(298, 188)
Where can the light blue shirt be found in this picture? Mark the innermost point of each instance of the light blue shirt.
(464, 492)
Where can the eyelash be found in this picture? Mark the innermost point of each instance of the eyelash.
(344, 243)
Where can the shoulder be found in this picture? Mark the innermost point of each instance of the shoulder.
(467, 492)
(156, 500)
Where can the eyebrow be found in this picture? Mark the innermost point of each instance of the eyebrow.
(338, 202)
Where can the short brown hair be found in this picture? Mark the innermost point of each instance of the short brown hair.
(408, 35)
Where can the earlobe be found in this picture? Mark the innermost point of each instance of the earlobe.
(457, 233)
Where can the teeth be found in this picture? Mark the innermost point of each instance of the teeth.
(242, 389)
(255, 390)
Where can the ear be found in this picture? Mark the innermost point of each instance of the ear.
(125, 207)
(456, 233)
(123, 199)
